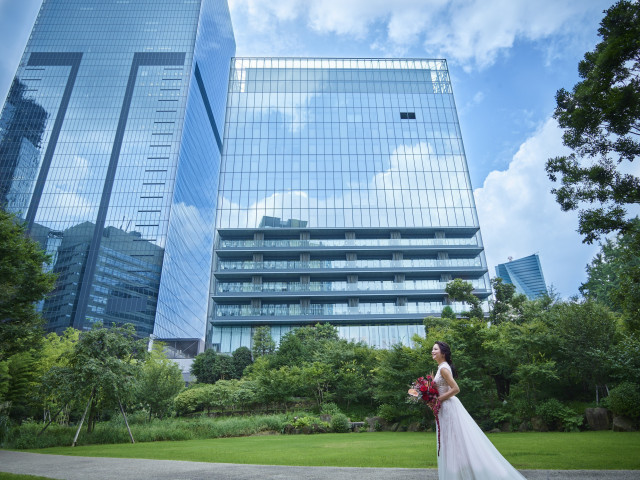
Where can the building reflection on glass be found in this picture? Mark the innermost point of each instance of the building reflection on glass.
(276, 222)
(126, 282)
(344, 197)
(110, 142)
(21, 130)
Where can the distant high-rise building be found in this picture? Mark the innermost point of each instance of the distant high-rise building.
(110, 143)
(344, 197)
(526, 274)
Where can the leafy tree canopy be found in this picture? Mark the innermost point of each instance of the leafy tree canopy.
(210, 366)
(159, 382)
(107, 361)
(614, 276)
(263, 343)
(601, 122)
(459, 290)
(22, 283)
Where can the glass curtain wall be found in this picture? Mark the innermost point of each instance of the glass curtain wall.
(95, 156)
(344, 196)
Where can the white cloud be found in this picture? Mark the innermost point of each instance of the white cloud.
(519, 216)
(473, 33)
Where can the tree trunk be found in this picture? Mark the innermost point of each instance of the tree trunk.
(502, 386)
(51, 419)
(125, 421)
(91, 421)
(75, 439)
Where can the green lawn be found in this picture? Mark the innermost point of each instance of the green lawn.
(564, 451)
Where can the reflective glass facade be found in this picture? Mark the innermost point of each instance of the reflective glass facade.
(344, 196)
(526, 274)
(110, 143)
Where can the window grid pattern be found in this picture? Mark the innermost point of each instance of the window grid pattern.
(93, 155)
(344, 196)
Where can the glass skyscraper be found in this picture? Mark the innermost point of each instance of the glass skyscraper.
(344, 197)
(526, 274)
(110, 145)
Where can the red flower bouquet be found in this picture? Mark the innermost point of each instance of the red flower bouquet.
(425, 389)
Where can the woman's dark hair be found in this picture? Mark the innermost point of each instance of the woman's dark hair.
(446, 351)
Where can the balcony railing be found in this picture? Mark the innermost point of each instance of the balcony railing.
(284, 310)
(347, 264)
(361, 286)
(359, 242)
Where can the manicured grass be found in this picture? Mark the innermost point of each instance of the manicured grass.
(554, 450)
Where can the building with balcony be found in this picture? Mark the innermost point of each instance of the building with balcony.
(110, 147)
(526, 274)
(344, 197)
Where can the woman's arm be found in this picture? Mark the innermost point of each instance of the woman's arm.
(453, 390)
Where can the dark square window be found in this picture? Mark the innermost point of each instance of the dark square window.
(407, 115)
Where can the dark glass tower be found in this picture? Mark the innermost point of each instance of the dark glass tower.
(526, 274)
(344, 197)
(110, 146)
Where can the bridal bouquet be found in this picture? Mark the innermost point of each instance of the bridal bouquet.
(426, 390)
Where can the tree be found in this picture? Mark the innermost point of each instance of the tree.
(209, 367)
(507, 302)
(614, 276)
(159, 382)
(601, 122)
(104, 367)
(22, 385)
(263, 343)
(22, 283)
(241, 359)
(459, 290)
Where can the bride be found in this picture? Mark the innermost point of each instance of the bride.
(465, 451)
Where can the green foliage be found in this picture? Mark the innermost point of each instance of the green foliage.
(241, 360)
(558, 416)
(584, 336)
(459, 290)
(625, 400)
(507, 304)
(209, 367)
(447, 312)
(159, 382)
(304, 344)
(308, 424)
(614, 276)
(624, 359)
(22, 283)
(398, 368)
(190, 400)
(104, 366)
(5, 380)
(340, 423)
(601, 122)
(329, 408)
(22, 385)
(168, 429)
(262, 342)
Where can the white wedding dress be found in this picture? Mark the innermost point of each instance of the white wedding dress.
(465, 451)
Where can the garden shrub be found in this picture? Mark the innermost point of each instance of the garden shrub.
(624, 400)
(329, 408)
(340, 423)
(388, 412)
(558, 416)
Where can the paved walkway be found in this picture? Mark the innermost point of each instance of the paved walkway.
(98, 468)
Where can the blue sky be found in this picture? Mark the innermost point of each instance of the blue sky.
(507, 58)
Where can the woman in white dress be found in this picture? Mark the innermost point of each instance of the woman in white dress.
(465, 451)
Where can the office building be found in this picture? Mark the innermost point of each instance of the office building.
(526, 274)
(110, 144)
(344, 197)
